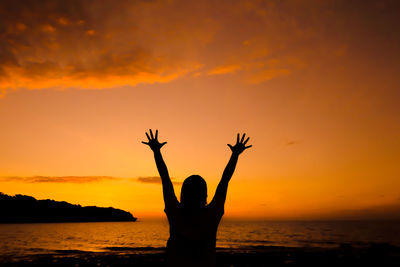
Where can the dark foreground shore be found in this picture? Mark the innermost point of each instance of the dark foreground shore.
(345, 255)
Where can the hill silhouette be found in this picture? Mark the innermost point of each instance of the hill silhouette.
(27, 209)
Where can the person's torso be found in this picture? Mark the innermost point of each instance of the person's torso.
(193, 237)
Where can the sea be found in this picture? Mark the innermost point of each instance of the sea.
(46, 238)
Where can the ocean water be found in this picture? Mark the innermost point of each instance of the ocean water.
(27, 239)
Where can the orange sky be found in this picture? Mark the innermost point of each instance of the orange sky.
(314, 84)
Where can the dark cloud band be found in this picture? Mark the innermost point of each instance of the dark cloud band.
(82, 179)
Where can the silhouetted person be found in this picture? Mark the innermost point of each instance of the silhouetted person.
(193, 224)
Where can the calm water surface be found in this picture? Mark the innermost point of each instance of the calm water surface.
(24, 239)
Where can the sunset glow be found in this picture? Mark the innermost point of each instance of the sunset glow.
(315, 84)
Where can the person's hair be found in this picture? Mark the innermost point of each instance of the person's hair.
(193, 193)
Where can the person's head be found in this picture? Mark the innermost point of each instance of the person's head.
(194, 193)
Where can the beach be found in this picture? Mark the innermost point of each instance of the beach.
(345, 255)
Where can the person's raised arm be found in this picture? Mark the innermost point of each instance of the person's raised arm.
(237, 149)
(168, 188)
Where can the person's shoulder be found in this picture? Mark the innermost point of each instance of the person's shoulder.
(172, 208)
(217, 205)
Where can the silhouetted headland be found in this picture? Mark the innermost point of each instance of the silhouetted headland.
(27, 209)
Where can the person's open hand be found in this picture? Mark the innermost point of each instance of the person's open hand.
(240, 145)
(153, 141)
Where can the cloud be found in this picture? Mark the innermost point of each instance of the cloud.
(82, 179)
(381, 212)
(224, 69)
(57, 179)
(292, 142)
(154, 180)
(83, 44)
(104, 44)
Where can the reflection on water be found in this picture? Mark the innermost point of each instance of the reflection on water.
(300, 234)
(22, 239)
(37, 238)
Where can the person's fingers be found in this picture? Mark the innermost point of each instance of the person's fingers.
(156, 134)
(145, 143)
(148, 137)
(151, 134)
(246, 147)
(237, 138)
(246, 141)
(162, 144)
(241, 141)
(230, 146)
